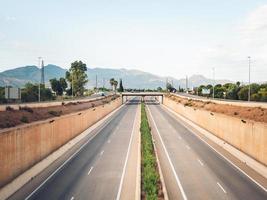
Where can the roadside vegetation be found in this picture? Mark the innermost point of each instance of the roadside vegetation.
(236, 91)
(151, 185)
(11, 117)
(257, 114)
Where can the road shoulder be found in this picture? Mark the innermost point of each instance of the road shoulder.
(132, 177)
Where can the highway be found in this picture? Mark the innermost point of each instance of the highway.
(100, 169)
(191, 168)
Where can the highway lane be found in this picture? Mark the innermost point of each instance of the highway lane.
(191, 169)
(97, 171)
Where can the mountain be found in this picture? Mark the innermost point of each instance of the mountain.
(18, 77)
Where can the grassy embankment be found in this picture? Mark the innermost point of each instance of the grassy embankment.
(151, 186)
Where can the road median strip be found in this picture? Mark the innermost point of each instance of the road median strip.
(151, 185)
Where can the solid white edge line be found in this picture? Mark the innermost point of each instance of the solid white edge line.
(221, 187)
(66, 161)
(72, 198)
(90, 170)
(101, 153)
(191, 131)
(168, 157)
(127, 156)
(138, 170)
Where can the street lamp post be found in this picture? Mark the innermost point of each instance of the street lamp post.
(39, 87)
(213, 74)
(249, 61)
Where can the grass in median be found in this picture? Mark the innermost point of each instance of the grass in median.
(151, 186)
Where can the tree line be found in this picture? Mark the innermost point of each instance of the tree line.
(72, 85)
(235, 91)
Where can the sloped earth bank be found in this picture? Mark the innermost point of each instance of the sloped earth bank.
(11, 118)
(151, 184)
(257, 114)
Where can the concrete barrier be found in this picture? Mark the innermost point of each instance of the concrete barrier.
(23, 146)
(248, 136)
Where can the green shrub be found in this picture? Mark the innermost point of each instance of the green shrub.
(55, 113)
(28, 109)
(24, 119)
(8, 108)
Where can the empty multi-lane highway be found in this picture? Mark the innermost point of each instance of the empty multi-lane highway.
(103, 166)
(106, 163)
(191, 168)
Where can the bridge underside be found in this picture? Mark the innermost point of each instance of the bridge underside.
(158, 97)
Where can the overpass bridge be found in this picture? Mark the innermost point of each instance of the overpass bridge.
(125, 95)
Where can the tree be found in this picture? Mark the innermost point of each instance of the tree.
(199, 89)
(159, 89)
(243, 93)
(58, 86)
(115, 84)
(219, 91)
(169, 87)
(231, 91)
(111, 81)
(120, 87)
(63, 83)
(2, 95)
(77, 77)
(31, 92)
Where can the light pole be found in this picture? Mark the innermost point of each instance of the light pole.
(39, 87)
(213, 74)
(249, 61)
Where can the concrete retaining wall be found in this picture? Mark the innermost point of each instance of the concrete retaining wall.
(248, 136)
(24, 146)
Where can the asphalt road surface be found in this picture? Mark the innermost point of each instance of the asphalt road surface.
(193, 170)
(97, 170)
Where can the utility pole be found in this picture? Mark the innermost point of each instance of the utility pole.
(166, 84)
(249, 61)
(42, 74)
(186, 83)
(96, 82)
(213, 75)
(39, 87)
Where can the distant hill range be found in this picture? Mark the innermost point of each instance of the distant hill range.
(18, 77)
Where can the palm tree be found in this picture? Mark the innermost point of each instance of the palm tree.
(115, 84)
(112, 81)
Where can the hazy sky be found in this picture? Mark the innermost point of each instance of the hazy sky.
(175, 38)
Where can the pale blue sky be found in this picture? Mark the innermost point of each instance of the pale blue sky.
(174, 38)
